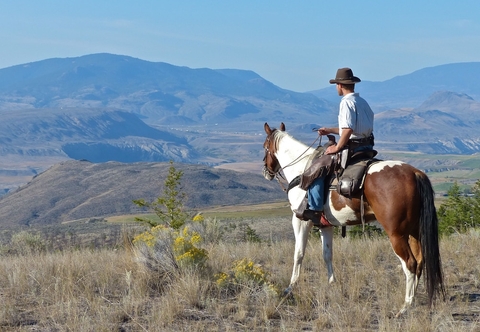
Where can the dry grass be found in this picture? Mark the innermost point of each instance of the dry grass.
(106, 290)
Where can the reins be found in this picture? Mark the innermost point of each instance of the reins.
(300, 156)
(278, 175)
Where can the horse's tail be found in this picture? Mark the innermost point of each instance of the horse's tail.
(429, 238)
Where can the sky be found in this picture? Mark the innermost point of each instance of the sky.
(297, 45)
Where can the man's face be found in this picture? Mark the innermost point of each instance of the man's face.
(339, 89)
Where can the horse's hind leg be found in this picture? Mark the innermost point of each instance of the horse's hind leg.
(410, 266)
(327, 244)
(416, 248)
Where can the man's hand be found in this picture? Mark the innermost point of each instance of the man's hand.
(326, 131)
(346, 133)
(332, 149)
(323, 131)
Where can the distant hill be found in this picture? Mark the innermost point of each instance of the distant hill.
(159, 92)
(79, 189)
(98, 135)
(413, 89)
(446, 122)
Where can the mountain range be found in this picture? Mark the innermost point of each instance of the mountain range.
(98, 107)
(106, 107)
(159, 93)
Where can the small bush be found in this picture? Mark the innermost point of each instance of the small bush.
(209, 229)
(26, 243)
(245, 272)
(187, 254)
(366, 230)
(169, 206)
(198, 218)
(250, 235)
(154, 251)
(459, 213)
(163, 249)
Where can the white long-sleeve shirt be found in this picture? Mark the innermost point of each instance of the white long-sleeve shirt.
(356, 114)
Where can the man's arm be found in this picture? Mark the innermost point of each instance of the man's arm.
(326, 131)
(346, 133)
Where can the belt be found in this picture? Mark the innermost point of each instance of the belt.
(361, 141)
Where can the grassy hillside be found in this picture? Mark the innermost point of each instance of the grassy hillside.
(107, 290)
(77, 190)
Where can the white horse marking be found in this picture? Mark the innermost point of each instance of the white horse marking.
(338, 217)
(378, 167)
(411, 287)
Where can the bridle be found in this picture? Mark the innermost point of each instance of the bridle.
(276, 173)
(266, 170)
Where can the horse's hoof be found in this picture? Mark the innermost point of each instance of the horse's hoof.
(401, 312)
(287, 291)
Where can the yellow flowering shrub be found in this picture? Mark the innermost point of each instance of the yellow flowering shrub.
(245, 271)
(222, 279)
(186, 251)
(149, 237)
(198, 218)
(182, 246)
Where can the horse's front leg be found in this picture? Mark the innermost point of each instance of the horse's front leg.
(301, 230)
(327, 244)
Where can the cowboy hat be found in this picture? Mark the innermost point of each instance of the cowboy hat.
(345, 76)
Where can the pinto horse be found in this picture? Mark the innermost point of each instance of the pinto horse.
(397, 195)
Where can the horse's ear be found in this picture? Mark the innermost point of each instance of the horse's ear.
(282, 126)
(267, 129)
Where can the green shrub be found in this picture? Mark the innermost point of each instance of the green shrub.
(250, 235)
(459, 212)
(169, 206)
(26, 243)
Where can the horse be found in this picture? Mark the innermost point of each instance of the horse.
(396, 194)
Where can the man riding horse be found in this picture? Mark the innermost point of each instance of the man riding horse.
(395, 194)
(355, 127)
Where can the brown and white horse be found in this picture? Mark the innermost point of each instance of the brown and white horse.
(397, 195)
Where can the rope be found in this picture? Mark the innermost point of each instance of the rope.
(278, 175)
(300, 156)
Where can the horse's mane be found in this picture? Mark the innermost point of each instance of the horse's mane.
(278, 135)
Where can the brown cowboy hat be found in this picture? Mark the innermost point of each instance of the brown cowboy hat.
(345, 76)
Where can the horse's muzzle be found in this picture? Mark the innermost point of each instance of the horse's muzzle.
(267, 174)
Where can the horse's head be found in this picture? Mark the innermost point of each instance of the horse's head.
(271, 165)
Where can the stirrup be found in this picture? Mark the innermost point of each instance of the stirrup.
(314, 216)
(299, 212)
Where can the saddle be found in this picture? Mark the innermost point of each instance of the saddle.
(345, 172)
(348, 181)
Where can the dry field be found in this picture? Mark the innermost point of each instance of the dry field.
(107, 290)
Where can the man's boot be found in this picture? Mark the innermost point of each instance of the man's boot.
(301, 209)
(314, 216)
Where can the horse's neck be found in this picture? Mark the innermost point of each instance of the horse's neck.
(293, 157)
